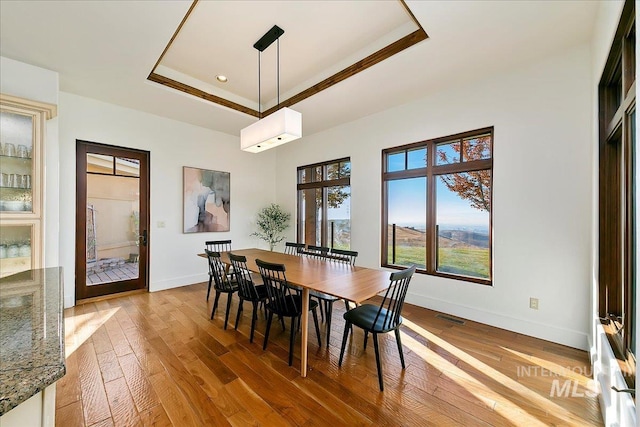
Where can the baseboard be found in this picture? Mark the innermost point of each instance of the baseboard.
(568, 337)
(177, 282)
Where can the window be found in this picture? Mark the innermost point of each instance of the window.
(437, 206)
(324, 204)
(617, 192)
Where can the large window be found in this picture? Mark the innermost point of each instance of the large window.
(437, 206)
(324, 204)
(618, 203)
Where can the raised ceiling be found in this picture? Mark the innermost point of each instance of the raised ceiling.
(338, 43)
(105, 50)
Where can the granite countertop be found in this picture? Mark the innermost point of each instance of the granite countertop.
(31, 334)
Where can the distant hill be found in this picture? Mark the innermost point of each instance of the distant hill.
(408, 236)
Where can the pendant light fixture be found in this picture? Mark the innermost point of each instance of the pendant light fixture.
(278, 128)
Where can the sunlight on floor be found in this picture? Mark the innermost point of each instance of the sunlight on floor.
(504, 406)
(78, 328)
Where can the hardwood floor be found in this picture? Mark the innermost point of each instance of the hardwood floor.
(157, 359)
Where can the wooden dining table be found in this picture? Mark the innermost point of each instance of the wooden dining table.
(342, 280)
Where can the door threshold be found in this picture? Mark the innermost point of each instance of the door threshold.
(110, 296)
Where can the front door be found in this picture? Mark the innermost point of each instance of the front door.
(112, 218)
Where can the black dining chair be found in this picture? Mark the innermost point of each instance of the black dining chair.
(223, 284)
(325, 300)
(292, 248)
(319, 252)
(247, 290)
(380, 319)
(284, 301)
(216, 246)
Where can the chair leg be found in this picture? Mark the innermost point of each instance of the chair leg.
(209, 288)
(215, 304)
(375, 345)
(347, 327)
(282, 321)
(254, 316)
(366, 337)
(238, 314)
(292, 335)
(397, 331)
(266, 333)
(315, 320)
(329, 314)
(320, 301)
(226, 316)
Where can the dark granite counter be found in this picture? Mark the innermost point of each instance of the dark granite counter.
(31, 334)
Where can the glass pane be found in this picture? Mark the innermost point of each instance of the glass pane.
(98, 163)
(634, 244)
(417, 158)
(463, 203)
(15, 249)
(407, 209)
(310, 215)
(127, 167)
(338, 217)
(16, 166)
(113, 228)
(333, 171)
(395, 162)
(302, 176)
(447, 153)
(345, 169)
(478, 148)
(316, 174)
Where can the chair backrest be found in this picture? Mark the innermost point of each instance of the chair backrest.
(391, 305)
(246, 287)
(218, 245)
(217, 271)
(293, 248)
(343, 255)
(320, 252)
(278, 292)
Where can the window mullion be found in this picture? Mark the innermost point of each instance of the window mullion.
(430, 211)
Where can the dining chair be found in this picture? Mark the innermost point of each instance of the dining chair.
(319, 252)
(292, 248)
(382, 318)
(284, 301)
(216, 246)
(223, 284)
(247, 290)
(325, 300)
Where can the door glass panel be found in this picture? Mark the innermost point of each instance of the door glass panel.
(16, 166)
(462, 223)
(99, 163)
(113, 233)
(338, 217)
(127, 167)
(407, 210)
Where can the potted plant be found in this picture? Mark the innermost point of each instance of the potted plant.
(271, 222)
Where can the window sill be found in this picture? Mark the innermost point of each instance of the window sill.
(475, 280)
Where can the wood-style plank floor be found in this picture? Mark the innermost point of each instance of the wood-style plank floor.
(157, 359)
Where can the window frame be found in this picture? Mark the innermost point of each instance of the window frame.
(323, 184)
(430, 171)
(617, 229)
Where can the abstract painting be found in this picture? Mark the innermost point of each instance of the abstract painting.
(207, 203)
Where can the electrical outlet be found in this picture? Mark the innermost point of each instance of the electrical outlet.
(533, 303)
(161, 224)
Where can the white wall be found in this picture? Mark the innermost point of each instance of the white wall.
(542, 191)
(39, 84)
(172, 144)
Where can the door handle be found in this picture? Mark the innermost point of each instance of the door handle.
(143, 238)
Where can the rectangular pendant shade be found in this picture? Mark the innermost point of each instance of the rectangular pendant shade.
(276, 129)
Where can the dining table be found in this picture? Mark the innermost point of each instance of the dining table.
(341, 280)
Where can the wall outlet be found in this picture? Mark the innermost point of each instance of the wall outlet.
(161, 224)
(533, 303)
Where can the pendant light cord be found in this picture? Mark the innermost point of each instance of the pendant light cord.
(259, 99)
(278, 70)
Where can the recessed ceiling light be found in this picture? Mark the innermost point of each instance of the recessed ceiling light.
(221, 78)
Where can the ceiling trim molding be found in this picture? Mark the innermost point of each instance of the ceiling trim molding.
(361, 65)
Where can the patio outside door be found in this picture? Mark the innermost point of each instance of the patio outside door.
(112, 217)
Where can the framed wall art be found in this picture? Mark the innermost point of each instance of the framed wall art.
(207, 203)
